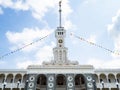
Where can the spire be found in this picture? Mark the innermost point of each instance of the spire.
(60, 13)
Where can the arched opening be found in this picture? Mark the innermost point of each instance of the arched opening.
(24, 78)
(111, 78)
(24, 81)
(79, 82)
(2, 78)
(18, 77)
(41, 82)
(17, 81)
(96, 78)
(118, 77)
(9, 78)
(103, 78)
(60, 82)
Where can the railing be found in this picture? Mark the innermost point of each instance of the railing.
(107, 85)
(12, 85)
(99, 85)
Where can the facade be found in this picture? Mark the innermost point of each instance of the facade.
(105, 79)
(60, 73)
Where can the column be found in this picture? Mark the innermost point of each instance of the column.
(116, 82)
(107, 78)
(70, 82)
(13, 84)
(115, 78)
(99, 79)
(51, 81)
(5, 83)
(109, 88)
(31, 82)
(21, 83)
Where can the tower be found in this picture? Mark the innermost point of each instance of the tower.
(60, 51)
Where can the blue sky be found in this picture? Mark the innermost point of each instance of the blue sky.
(24, 21)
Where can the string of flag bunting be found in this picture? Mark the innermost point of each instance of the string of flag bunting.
(91, 43)
(97, 45)
(19, 49)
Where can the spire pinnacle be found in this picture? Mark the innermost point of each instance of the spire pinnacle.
(60, 13)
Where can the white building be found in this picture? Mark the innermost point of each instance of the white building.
(60, 73)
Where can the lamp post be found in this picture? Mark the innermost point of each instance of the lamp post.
(4, 85)
(102, 84)
(18, 83)
(117, 85)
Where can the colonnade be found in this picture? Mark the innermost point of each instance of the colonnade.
(12, 81)
(108, 81)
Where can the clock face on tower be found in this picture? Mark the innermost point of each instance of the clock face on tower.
(60, 41)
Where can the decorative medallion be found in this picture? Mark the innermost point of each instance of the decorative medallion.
(51, 78)
(50, 85)
(89, 78)
(70, 78)
(32, 78)
(90, 85)
(70, 85)
(31, 85)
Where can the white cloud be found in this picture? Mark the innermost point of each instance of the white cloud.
(38, 8)
(24, 65)
(92, 38)
(45, 52)
(89, 1)
(2, 62)
(1, 11)
(114, 30)
(18, 5)
(97, 63)
(19, 39)
(42, 54)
